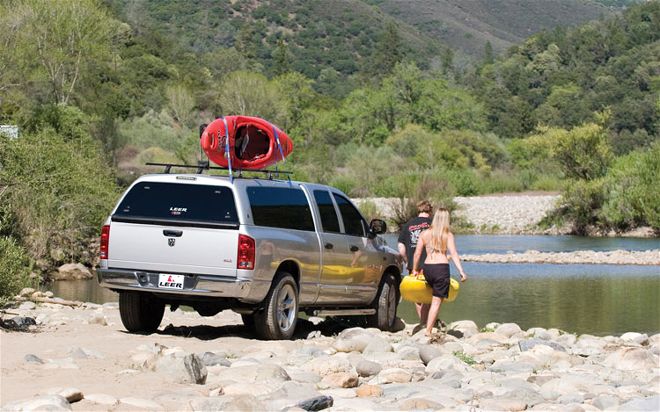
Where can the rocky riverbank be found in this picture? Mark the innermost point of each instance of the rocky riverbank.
(507, 214)
(614, 257)
(80, 358)
(503, 214)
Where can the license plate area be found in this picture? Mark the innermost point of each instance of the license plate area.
(168, 281)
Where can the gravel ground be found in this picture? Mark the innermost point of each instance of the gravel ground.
(82, 359)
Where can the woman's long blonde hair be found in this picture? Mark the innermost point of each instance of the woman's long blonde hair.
(440, 230)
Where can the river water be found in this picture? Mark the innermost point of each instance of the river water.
(594, 299)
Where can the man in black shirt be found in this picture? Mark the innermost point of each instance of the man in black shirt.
(408, 242)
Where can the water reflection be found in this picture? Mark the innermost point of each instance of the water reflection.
(595, 299)
(82, 290)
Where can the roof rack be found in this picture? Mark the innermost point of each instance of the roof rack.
(204, 165)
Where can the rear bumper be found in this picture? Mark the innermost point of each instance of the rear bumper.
(245, 290)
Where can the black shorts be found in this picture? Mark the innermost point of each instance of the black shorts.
(437, 275)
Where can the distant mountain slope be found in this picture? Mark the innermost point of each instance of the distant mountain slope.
(467, 25)
(336, 34)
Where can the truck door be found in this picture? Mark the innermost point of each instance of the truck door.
(363, 252)
(343, 274)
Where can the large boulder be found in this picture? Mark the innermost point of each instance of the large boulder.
(508, 329)
(264, 374)
(186, 369)
(630, 359)
(467, 327)
(429, 352)
(40, 403)
(72, 271)
(328, 364)
(367, 368)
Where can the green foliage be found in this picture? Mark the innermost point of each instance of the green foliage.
(631, 185)
(582, 201)
(59, 190)
(465, 357)
(54, 44)
(151, 129)
(368, 209)
(15, 265)
(583, 152)
(560, 78)
(251, 94)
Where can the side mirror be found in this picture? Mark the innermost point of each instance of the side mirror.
(377, 226)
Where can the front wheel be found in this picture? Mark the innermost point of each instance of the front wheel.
(140, 312)
(385, 304)
(278, 318)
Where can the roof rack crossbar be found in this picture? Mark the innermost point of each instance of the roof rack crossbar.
(206, 166)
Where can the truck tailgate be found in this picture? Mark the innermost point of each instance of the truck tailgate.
(195, 250)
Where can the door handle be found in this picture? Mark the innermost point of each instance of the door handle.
(172, 233)
(329, 245)
(354, 248)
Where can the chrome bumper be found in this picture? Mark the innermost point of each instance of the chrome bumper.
(194, 285)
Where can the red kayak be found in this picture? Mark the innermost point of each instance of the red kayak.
(252, 142)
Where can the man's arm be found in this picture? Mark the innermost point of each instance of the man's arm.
(403, 252)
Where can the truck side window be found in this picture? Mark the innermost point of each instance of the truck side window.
(280, 207)
(327, 211)
(353, 222)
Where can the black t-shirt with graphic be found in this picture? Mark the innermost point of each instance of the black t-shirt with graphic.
(409, 236)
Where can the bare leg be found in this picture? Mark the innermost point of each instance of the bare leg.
(424, 312)
(433, 314)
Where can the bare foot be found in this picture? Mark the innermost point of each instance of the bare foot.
(437, 338)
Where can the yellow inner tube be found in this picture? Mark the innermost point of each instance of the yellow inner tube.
(415, 289)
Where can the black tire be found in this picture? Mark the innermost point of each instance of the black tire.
(386, 303)
(278, 318)
(248, 320)
(140, 312)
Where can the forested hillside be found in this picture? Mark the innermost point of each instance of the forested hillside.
(472, 27)
(337, 43)
(99, 88)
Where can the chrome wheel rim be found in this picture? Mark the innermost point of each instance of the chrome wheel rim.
(287, 309)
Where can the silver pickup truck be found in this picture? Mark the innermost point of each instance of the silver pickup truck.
(264, 248)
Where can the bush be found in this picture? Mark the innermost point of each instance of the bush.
(14, 268)
(369, 210)
(59, 191)
(631, 185)
(582, 202)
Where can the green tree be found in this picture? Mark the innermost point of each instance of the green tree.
(59, 199)
(281, 58)
(180, 103)
(489, 55)
(633, 198)
(251, 94)
(54, 42)
(583, 152)
(389, 51)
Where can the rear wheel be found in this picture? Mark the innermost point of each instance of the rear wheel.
(385, 304)
(279, 317)
(140, 312)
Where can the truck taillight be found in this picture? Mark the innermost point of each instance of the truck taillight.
(105, 241)
(245, 252)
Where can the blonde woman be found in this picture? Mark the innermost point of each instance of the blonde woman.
(437, 241)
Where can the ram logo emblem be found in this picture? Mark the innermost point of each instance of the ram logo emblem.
(171, 241)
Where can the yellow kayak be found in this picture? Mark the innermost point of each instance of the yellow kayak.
(415, 289)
